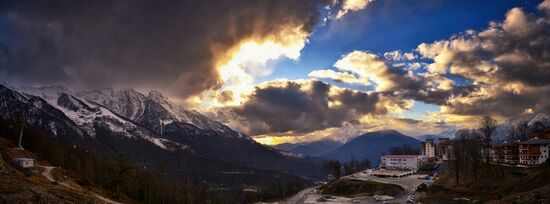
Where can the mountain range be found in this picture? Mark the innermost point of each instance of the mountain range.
(315, 148)
(155, 133)
(370, 146)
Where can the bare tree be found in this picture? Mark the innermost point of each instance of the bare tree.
(473, 147)
(487, 126)
(538, 126)
(522, 127)
(333, 167)
(364, 165)
(457, 158)
(512, 132)
(404, 150)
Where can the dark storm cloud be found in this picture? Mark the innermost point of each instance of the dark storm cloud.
(301, 107)
(170, 45)
(507, 104)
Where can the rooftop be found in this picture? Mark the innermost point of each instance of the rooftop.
(23, 159)
(537, 142)
(402, 156)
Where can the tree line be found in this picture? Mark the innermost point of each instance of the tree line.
(471, 148)
(336, 169)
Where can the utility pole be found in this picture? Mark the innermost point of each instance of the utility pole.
(19, 147)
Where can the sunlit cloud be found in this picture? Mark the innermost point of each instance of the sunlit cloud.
(351, 6)
(239, 68)
(472, 73)
(397, 55)
(344, 77)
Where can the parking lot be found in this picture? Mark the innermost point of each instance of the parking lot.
(409, 183)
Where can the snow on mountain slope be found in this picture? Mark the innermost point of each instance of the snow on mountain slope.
(504, 129)
(152, 109)
(541, 117)
(203, 140)
(89, 115)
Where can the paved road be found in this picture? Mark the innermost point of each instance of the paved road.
(47, 173)
(300, 197)
(409, 183)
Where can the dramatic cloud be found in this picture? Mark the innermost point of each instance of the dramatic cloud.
(344, 77)
(304, 106)
(501, 71)
(508, 65)
(369, 123)
(174, 46)
(374, 68)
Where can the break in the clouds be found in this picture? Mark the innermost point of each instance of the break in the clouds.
(174, 46)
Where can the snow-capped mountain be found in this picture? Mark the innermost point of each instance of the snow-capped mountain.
(541, 117)
(88, 115)
(150, 110)
(149, 128)
(504, 129)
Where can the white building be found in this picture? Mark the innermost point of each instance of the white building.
(24, 162)
(428, 148)
(534, 152)
(403, 162)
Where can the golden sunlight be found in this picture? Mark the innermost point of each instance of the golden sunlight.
(246, 61)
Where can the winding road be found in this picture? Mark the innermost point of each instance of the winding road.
(300, 197)
(47, 173)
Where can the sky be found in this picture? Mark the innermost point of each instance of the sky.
(295, 71)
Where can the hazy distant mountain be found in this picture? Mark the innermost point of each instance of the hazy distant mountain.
(286, 146)
(371, 146)
(153, 132)
(444, 134)
(316, 148)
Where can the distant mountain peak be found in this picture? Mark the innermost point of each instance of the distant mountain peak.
(156, 94)
(113, 120)
(389, 131)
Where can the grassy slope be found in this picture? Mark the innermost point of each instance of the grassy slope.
(352, 188)
(502, 185)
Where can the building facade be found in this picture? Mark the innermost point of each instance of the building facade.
(24, 162)
(497, 153)
(528, 153)
(511, 153)
(534, 152)
(403, 162)
(428, 148)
